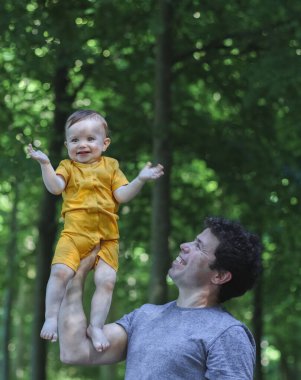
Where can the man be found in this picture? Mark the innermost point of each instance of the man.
(190, 338)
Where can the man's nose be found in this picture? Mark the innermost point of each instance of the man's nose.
(184, 247)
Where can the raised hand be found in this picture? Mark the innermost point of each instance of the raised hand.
(150, 172)
(37, 155)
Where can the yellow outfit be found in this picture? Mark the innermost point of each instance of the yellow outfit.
(90, 211)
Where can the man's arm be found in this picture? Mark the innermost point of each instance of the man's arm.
(54, 183)
(126, 193)
(75, 346)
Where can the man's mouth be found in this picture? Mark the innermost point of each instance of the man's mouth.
(180, 260)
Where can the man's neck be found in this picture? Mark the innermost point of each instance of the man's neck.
(196, 299)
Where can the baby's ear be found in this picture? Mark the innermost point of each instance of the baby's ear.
(106, 143)
(65, 143)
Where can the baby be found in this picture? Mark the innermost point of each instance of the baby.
(92, 186)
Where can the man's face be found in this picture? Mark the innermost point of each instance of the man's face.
(191, 267)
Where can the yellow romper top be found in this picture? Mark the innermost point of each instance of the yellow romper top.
(90, 187)
(90, 211)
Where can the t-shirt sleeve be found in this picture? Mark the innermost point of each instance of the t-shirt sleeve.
(119, 179)
(64, 170)
(231, 356)
(127, 322)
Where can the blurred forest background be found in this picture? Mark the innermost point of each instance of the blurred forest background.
(210, 89)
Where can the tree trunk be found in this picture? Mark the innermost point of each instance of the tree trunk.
(285, 368)
(258, 327)
(160, 228)
(47, 226)
(20, 362)
(10, 286)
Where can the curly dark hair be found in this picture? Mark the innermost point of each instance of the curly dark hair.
(238, 252)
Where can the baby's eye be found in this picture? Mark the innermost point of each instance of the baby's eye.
(74, 140)
(91, 138)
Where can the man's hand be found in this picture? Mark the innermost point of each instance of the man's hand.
(150, 172)
(37, 155)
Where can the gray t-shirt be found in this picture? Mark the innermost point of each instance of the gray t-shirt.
(168, 342)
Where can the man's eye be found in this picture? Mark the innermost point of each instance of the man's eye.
(199, 246)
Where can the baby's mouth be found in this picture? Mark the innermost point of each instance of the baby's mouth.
(83, 152)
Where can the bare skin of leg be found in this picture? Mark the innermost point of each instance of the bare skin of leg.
(56, 287)
(105, 278)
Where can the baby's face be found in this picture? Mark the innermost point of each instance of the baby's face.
(86, 140)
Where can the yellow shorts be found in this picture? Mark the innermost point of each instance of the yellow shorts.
(78, 239)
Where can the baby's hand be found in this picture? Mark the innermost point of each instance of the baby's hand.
(37, 155)
(150, 172)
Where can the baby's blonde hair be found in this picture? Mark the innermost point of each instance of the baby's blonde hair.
(86, 114)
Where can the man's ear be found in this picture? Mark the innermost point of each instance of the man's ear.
(106, 143)
(221, 277)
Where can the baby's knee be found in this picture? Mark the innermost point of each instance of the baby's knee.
(109, 283)
(105, 279)
(61, 272)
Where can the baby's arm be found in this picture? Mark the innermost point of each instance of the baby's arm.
(128, 192)
(54, 183)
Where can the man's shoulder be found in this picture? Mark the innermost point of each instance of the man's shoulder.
(148, 310)
(142, 314)
(221, 319)
(149, 307)
(225, 324)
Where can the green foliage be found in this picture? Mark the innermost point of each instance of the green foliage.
(235, 139)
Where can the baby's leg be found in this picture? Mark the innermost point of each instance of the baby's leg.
(105, 278)
(56, 287)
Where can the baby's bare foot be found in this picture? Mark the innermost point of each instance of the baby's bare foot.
(99, 340)
(49, 330)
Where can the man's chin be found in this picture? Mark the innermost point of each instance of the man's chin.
(170, 273)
